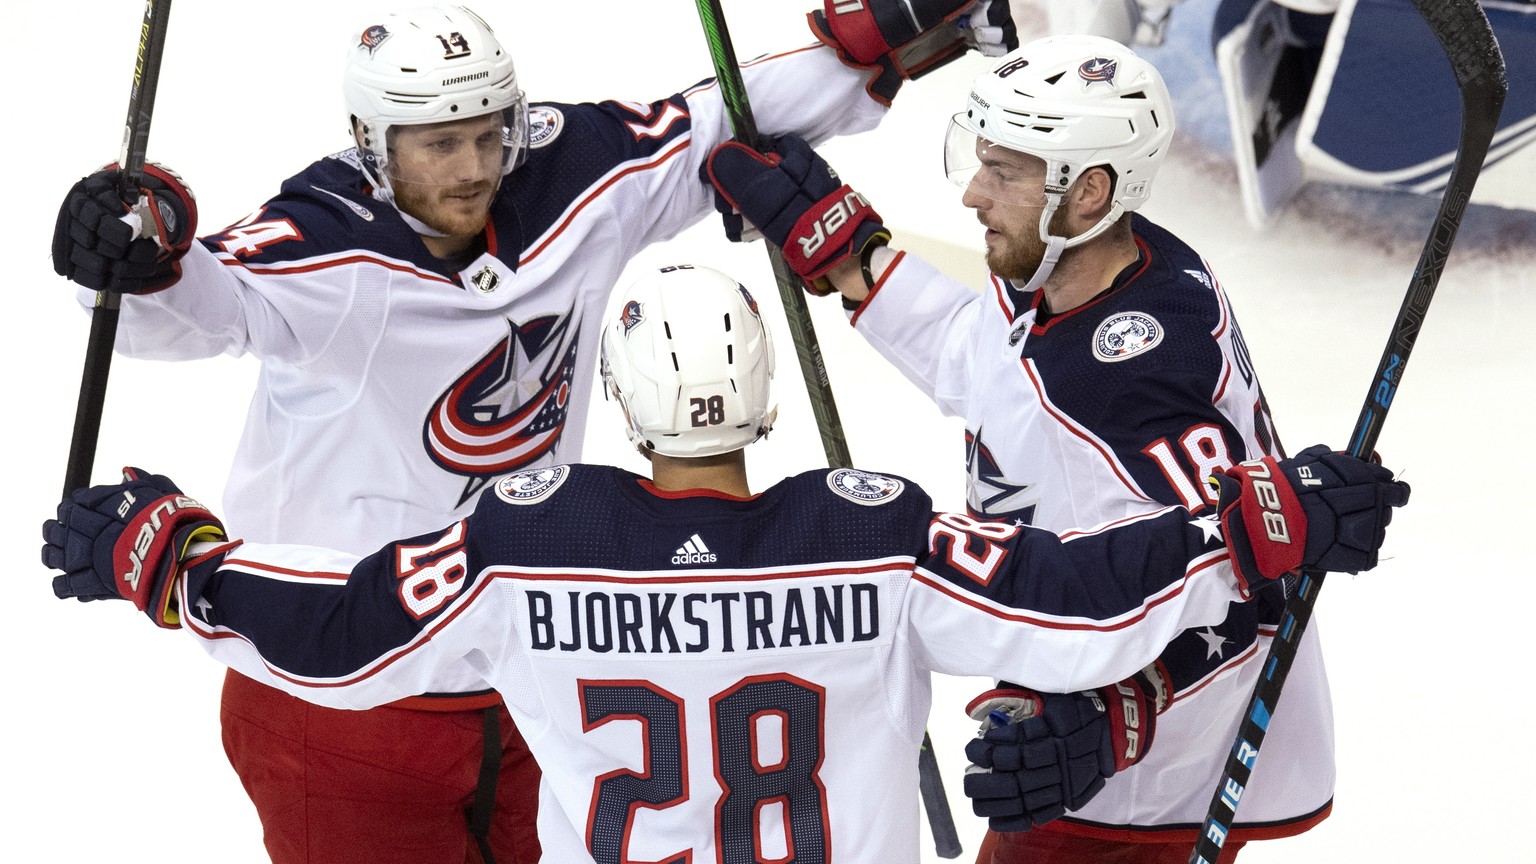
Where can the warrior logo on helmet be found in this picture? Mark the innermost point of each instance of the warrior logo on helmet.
(372, 38)
(1097, 69)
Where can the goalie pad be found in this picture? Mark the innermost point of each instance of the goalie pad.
(1385, 111)
(1267, 57)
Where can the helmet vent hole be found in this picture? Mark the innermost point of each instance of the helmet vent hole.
(1139, 94)
(676, 367)
(727, 318)
(730, 354)
(1054, 78)
(667, 328)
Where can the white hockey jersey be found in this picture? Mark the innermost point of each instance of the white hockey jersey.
(1121, 406)
(711, 678)
(393, 390)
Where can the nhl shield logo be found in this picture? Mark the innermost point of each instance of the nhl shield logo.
(528, 487)
(1125, 335)
(862, 487)
(486, 281)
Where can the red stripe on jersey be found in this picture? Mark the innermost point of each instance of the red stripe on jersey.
(285, 269)
(1109, 458)
(673, 149)
(902, 564)
(1048, 623)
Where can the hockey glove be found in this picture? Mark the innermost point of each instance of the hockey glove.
(796, 200)
(1041, 754)
(106, 245)
(903, 39)
(126, 541)
(1317, 509)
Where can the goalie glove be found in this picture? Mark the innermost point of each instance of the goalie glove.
(1318, 509)
(1039, 755)
(794, 198)
(899, 40)
(126, 541)
(106, 245)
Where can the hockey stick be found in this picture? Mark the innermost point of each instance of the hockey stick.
(98, 351)
(946, 839)
(1468, 41)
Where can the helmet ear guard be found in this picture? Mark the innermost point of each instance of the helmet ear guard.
(689, 359)
(425, 65)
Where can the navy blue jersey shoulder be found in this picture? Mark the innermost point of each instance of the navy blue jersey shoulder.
(607, 518)
(1141, 361)
(577, 147)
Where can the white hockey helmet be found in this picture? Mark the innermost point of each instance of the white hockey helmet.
(430, 64)
(1077, 102)
(689, 359)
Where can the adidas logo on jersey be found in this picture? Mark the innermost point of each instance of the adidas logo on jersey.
(693, 552)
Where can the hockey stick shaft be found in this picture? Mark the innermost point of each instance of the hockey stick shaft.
(1468, 41)
(813, 365)
(98, 351)
(946, 839)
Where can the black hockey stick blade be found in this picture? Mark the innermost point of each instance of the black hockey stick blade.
(930, 782)
(1468, 41)
(98, 351)
(813, 366)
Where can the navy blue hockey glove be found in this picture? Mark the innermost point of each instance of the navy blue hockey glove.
(1041, 754)
(94, 246)
(126, 540)
(904, 39)
(796, 200)
(1318, 509)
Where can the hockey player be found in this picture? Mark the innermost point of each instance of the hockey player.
(1101, 374)
(425, 308)
(712, 675)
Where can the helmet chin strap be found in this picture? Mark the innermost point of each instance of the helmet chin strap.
(1055, 244)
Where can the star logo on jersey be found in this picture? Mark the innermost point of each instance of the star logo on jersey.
(1097, 69)
(988, 493)
(1213, 642)
(509, 409)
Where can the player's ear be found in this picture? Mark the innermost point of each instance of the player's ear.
(1092, 195)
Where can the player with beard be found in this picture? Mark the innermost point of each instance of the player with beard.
(425, 308)
(1101, 374)
(758, 703)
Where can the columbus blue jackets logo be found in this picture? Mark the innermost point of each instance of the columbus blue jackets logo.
(988, 492)
(1125, 335)
(863, 487)
(631, 317)
(1097, 69)
(372, 38)
(544, 124)
(529, 487)
(509, 409)
(751, 301)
